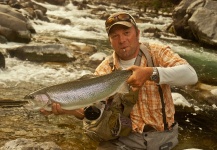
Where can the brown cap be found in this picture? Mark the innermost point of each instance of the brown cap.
(121, 18)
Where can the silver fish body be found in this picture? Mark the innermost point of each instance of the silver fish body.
(79, 93)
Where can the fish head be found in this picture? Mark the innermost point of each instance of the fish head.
(37, 101)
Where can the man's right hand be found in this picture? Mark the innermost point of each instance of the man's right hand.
(57, 110)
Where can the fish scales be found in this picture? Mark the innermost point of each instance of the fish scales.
(80, 93)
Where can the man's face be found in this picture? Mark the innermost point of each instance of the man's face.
(125, 41)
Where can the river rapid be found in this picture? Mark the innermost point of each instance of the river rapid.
(22, 77)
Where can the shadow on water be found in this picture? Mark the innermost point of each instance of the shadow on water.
(197, 130)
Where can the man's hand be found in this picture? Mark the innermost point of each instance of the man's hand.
(57, 110)
(139, 77)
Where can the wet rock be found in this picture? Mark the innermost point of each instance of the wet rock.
(13, 26)
(65, 21)
(35, 6)
(152, 31)
(2, 61)
(36, 11)
(60, 20)
(12, 12)
(56, 2)
(42, 53)
(84, 48)
(3, 39)
(24, 144)
(39, 15)
(207, 93)
(53, 2)
(30, 9)
(96, 59)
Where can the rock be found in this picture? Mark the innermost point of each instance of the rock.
(39, 15)
(3, 39)
(24, 144)
(180, 19)
(96, 59)
(152, 31)
(180, 100)
(33, 10)
(18, 28)
(56, 2)
(13, 26)
(190, 19)
(65, 22)
(2, 61)
(42, 53)
(12, 12)
(84, 48)
(203, 31)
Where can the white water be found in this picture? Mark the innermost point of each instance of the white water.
(19, 71)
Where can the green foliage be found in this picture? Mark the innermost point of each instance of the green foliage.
(156, 4)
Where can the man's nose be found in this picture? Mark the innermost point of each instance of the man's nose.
(122, 38)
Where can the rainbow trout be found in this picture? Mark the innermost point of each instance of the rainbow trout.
(79, 93)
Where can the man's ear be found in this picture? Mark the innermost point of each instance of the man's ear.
(109, 41)
(138, 34)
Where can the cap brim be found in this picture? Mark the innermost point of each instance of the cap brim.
(125, 23)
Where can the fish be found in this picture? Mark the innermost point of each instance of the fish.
(79, 93)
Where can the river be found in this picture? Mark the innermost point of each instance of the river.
(21, 77)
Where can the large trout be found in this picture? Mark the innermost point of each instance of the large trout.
(79, 93)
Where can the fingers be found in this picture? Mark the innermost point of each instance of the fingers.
(45, 112)
(135, 80)
(56, 109)
(131, 79)
(139, 76)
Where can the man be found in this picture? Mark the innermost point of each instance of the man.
(150, 124)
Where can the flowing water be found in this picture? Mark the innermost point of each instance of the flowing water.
(21, 77)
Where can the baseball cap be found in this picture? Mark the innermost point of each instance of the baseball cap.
(121, 18)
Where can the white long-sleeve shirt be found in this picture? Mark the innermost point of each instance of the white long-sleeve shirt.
(177, 75)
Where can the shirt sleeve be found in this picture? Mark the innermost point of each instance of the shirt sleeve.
(177, 75)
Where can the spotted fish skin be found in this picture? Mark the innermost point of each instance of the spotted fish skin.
(79, 93)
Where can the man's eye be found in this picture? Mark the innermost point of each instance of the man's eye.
(126, 32)
(114, 36)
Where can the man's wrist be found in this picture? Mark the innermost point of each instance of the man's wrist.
(155, 75)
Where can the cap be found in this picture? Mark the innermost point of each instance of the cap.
(121, 18)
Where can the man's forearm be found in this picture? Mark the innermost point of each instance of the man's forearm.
(177, 75)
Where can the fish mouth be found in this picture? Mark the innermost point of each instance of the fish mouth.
(31, 106)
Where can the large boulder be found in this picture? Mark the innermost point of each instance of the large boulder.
(203, 24)
(12, 12)
(42, 53)
(13, 26)
(196, 20)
